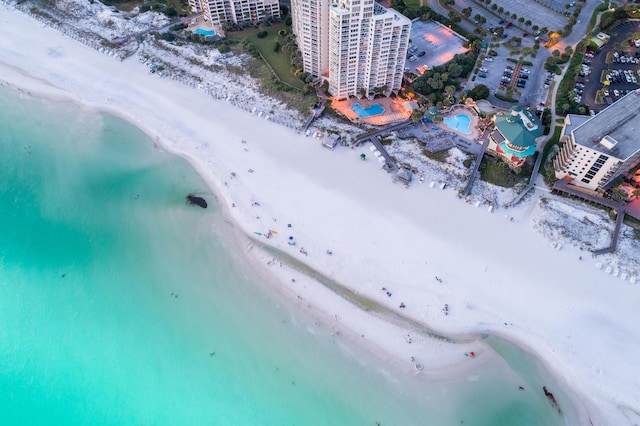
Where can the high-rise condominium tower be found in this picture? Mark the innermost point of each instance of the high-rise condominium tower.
(362, 44)
(220, 11)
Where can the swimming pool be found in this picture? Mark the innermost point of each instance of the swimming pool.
(375, 109)
(200, 31)
(459, 122)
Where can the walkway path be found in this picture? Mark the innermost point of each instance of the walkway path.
(476, 166)
(372, 137)
(160, 30)
(563, 186)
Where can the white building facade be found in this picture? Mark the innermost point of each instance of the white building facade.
(311, 27)
(597, 150)
(362, 45)
(236, 11)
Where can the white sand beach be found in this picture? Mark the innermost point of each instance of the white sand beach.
(423, 245)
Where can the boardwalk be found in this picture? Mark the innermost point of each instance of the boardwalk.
(372, 137)
(564, 187)
(165, 28)
(532, 179)
(476, 167)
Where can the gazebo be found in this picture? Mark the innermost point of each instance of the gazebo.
(404, 175)
(431, 113)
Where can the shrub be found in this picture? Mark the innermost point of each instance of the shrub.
(505, 98)
(262, 34)
(479, 92)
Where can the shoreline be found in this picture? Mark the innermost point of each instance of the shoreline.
(241, 220)
(424, 339)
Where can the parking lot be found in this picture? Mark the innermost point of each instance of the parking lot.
(622, 69)
(530, 82)
(432, 44)
(530, 10)
(538, 14)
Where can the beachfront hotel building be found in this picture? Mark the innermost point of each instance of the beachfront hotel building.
(311, 27)
(358, 45)
(220, 11)
(597, 150)
(514, 136)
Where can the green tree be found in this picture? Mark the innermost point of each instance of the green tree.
(467, 11)
(479, 92)
(527, 23)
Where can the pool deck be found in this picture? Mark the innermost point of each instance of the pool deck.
(200, 23)
(395, 109)
(473, 125)
(436, 137)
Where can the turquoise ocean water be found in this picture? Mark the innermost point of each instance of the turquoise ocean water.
(114, 294)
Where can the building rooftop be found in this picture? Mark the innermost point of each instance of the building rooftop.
(519, 127)
(572, 122)
(615, 130)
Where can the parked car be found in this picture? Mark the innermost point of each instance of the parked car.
(421, 54)
(488, 59)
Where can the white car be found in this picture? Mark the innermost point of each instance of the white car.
(488, 59)
(616, 93)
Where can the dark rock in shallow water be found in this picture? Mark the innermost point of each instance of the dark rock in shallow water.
(198, 201)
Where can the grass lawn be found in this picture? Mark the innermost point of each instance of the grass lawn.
(555, 140)
(413, 4)
(280, 61)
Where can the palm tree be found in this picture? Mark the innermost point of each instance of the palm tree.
(527, 23)
(544, 30)
(500, 9)
(520, 20)
(535, 27)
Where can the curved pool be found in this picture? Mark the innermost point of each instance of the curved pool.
(459, 123)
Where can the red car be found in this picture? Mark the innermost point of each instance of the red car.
(525, 34)
(507, 25)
